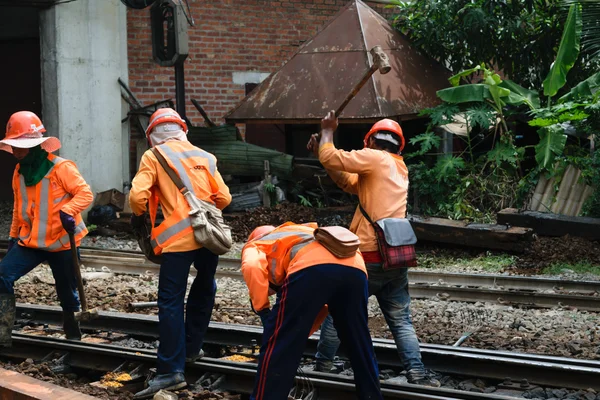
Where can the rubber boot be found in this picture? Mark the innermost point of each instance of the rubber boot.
(7, 318)
(71, 326)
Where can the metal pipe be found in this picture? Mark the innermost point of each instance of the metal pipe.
(180, 90)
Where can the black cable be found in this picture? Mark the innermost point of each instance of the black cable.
(188, 14)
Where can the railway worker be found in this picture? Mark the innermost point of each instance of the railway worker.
(179, 341)
(376, 169)
(49, 196)
(306, 277)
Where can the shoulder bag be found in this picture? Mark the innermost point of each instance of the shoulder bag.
(206, 219)
(396, 241)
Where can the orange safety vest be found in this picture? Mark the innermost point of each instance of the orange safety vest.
(38, 209)
(181, 157)
(291, 248)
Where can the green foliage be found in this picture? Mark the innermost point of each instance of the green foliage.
(567, 53)
(427, 141)
(590, 39)
(585, 88)
(518, 36)
(580, 268)
(552, 143)
(591, 176)
(442, 114)
(304, 201)
(505, 153)
(447, 168)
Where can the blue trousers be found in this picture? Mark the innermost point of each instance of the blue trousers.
(391, 290)
(303, 294)
(20, 260)
(178, 338)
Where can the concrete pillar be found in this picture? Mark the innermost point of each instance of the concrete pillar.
(83, 53)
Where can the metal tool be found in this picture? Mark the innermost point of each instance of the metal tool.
(85, 314)
(381, 62)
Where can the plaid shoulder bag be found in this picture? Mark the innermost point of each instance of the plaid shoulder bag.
(396, 240)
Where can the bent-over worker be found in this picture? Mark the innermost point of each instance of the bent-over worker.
(49, 196)
(306, 277)
(376, 169)
(180, 341)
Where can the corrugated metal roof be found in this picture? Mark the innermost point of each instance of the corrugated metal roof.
(326, 68)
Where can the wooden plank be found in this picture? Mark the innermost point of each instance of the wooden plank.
(547, 224)
(14, 385)
(486, 236)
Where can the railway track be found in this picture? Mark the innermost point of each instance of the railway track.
(224, 375)
(508, 290)
(496, 365)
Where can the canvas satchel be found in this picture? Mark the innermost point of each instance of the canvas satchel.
(206, 219)
(338, 240)
(396, 241)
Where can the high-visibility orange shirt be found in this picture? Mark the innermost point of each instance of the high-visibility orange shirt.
(36, 218)
(379, 178)
(152, 180)
(288, 249)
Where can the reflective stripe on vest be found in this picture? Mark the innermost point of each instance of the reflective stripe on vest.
(24, 206)
(43, 212)
(171, 231)
(176, 157)
(65, 238)
(306, 239)
(296, 248)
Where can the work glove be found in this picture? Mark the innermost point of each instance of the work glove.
(137, 222)
(12, 242)
(68, 222)
(264, 316)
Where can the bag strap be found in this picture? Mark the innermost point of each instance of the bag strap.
(174, 177)
(364, 213)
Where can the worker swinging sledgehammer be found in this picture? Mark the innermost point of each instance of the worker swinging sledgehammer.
(49, 196)
(376, 169)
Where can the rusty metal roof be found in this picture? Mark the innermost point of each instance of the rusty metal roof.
(326, 68)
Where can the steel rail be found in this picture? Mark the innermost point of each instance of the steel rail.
(422, 284)
(102, 357)
(537, 369)
(133, 262)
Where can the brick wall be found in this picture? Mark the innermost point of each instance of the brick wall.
(229, 36)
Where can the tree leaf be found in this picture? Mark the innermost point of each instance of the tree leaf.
(552, 143)
(504, 152)
(481, 115)
(465, 93)
(448, 167)
(427, 141)
(442, 114)
(455, 80)
(583, 89)
(568, 52)
(519, 95)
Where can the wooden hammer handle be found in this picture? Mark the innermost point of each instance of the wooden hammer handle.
(356, 89)
(77, 272)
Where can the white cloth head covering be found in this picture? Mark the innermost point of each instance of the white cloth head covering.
(388, 137)
(168, 131)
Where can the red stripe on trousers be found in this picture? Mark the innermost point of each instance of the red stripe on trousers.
(271, 345)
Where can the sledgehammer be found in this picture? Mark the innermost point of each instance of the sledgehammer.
(85, 314)
(381, 62)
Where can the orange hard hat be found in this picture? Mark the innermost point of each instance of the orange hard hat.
(261, 231)
(386, 125)
(163, 115)
(24, 130)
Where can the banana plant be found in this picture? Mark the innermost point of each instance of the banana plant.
(498, 93)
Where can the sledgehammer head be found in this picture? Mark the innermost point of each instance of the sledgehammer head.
(381, 61)
(87, 315)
